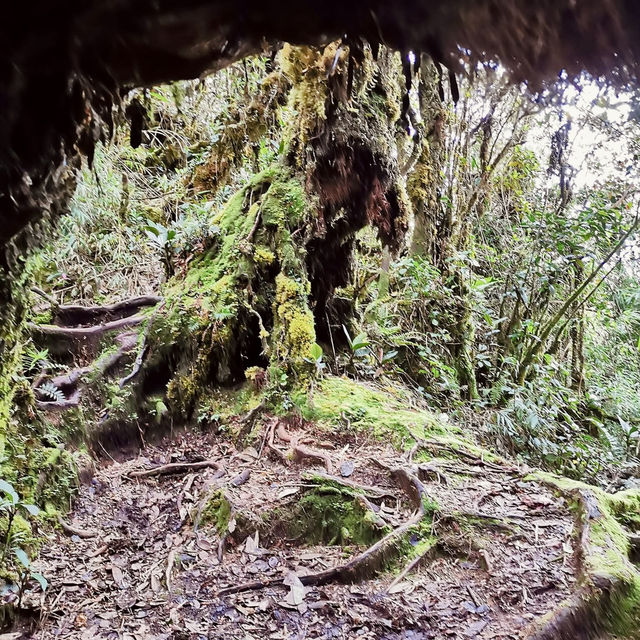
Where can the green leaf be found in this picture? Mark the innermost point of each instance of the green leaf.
(316, 351)
(23, 558)
(31, 508)
(9, 490)
(359, 342)
(40, 579)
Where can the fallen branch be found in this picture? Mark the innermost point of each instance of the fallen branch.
(176, 467)
(43, 294)
(75, 531)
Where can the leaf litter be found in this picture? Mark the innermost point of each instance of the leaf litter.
(503, 560)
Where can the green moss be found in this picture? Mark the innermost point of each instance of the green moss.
(216, 512)
(253, 271)
(607, 551)
(331, 514)
(263, 257)
(294, 320)
(341, 402)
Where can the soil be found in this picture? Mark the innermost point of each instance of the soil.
(147, 572)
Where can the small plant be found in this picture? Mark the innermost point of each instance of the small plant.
(27, 574)
(316, 358)
(51, 392)
(631, 434)
(11, 504)
(163, 239)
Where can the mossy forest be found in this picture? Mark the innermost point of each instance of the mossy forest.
(333, 343)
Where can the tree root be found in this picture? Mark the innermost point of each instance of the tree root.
(178, 467)
(143, 349)
(365, 563)
(430, 443)
(74, 314)
(417, 561)
(297, 450)
(75, 531)
(69, 383)
(584, 616)
(85, 332)
(367, 490)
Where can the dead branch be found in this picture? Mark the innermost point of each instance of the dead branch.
(43, 294)
(176, 467)
(241, 478)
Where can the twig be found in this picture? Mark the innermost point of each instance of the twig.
(170, 561)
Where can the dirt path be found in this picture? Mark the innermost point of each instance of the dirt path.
(148, 574)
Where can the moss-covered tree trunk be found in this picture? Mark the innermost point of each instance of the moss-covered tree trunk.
(254, 303)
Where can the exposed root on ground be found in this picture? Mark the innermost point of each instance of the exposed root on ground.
(178, 467)
(158, 563)
(366, 563)
(75, 531)
(297, 451)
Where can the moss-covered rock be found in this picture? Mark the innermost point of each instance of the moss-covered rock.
(331, 514)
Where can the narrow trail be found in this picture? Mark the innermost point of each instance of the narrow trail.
(144, 565)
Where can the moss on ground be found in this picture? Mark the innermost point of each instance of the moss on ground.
(341, 403)
(216, 512)
(331, 514)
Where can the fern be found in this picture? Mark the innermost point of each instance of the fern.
(49, 390)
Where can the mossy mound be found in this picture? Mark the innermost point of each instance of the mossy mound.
(242, 303)
(342, 404)
(331, 514)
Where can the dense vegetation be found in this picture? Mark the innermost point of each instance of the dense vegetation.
(321, 215)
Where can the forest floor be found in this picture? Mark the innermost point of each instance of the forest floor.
(141, 563)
